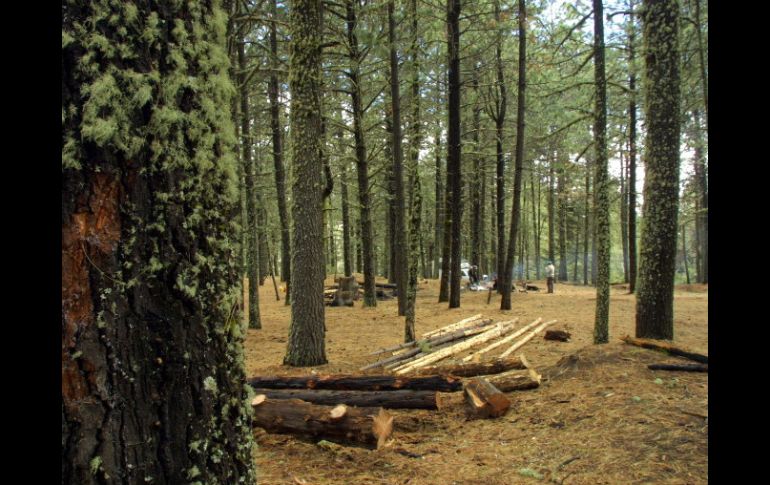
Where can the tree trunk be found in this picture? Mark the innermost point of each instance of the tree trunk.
(601, 185)
(347, 256)
(623, 216)
(500, 166)
(307, 332)
(587, 222)
(251, 196)
(551, 208)
(684, 252)
(505, 301)
(151, 348)
(701, 217)
(400, 249)
(439, 220)
(454, 146)
(385, 399)
(367, 237)
(562, 210)
(535, 220)
(655, 299)
(370, 427)
(702, 59)
(632, 253)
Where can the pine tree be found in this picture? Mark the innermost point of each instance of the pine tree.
(657, 255)
(152, 363)
(306, 345)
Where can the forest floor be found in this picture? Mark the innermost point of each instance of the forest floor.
(599, 417)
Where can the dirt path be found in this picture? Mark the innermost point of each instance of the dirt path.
(601, 417)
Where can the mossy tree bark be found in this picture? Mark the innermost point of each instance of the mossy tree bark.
(601, 184)
(153, 384)
(505, 301)
(655, 298)
(306, 345)
(454, 147)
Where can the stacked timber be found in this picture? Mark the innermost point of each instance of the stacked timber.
(471, 369)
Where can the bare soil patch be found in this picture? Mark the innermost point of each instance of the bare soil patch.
(600, 416)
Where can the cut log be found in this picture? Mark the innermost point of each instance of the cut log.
(390, 286)
(680, 367)
(385, 399)
(358, 383)
(667, 347)
(368, 427)
(477, 355)
(516, 380)
(485, 400)
(497, 331)
(435, 343)
(559, 335)
(471, 369)
(438, 338)
(453, 326)
(527, 338)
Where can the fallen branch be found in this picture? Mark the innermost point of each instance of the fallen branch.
(680, 367)
(369, 427)
(663, 346)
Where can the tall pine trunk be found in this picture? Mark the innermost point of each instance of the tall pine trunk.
(505, 302)
(632, 252)
(367, 236)
(601, 185)
(454, 146)
(655, 298)
(307, 332)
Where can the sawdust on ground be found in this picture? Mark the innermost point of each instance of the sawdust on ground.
(600, 416)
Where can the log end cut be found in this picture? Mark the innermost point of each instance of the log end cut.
(485, 400)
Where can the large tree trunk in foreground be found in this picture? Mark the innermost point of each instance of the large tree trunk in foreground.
(657, 255)
(470, 369)
(358, 382)
(151, 350)
(369, 427)
(484, 400)
(386, 399)
(307, 333)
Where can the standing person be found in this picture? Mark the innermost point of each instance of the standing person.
(550, 271)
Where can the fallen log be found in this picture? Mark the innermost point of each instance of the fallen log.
(527, 338)
(516, 380)
(437, 338)
(494, 345)
(368, 427)
(497, 331)
(663, 346)
(680, 367)
(358, 382)
(453, 326)
(484, 400)
(559, 335)
(471, 369)
(386, 399)
(390, 286)
(419, 349)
